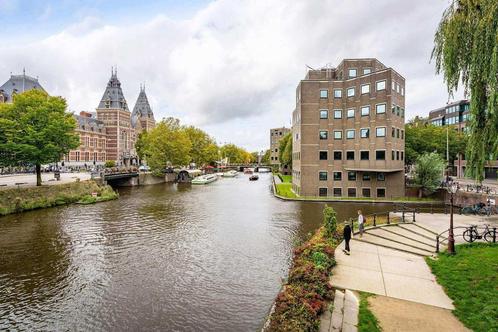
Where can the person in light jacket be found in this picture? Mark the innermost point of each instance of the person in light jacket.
(361, 221)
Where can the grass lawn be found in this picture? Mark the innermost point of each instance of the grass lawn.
(367, 322)
(470, 279)
(285, 178)
(285, 190)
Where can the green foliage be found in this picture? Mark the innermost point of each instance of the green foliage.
(36, 129)
(470, 279)
(266, 157)
(165, 145)
(466, 51)
(285, 178)
(204, 150)
(428, 171)
(421, 139)
(367, 322)
(235, 154)
(303, 298)
(110, 163)
(329, 220)
(285, 190)
(285, 150)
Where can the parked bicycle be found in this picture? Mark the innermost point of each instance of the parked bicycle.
(476, 209)
(472, 234)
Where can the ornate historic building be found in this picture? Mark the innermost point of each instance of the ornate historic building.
(109, 133)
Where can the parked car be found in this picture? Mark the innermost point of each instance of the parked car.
(144, 168)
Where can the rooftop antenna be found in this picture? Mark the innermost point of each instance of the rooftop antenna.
(23, 78)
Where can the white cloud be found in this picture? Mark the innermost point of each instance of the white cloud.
(233, 67)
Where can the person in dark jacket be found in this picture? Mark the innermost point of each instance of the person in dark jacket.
(347, 237)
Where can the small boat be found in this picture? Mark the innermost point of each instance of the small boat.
(205, 179)
(253, 177)
(230, 174)
(248, 170)
(263, 170)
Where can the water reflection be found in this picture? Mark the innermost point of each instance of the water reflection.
(162, 257)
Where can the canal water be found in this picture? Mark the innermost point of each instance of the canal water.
(163, 257)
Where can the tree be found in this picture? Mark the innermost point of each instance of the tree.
(165, 145)
(266, 157)
(254, 157)
(329, 220)
(35, 130)
(235, 154)
(428, 172)
(466, 51)
(204, 149)
(285, 150)
(421, 139)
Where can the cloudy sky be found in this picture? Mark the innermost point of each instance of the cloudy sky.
(230, 67)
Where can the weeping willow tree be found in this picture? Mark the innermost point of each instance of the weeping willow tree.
(466, 51)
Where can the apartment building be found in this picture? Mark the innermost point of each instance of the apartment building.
(276, 135)
(349, 131)
(456, 116)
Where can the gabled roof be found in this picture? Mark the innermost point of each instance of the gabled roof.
(142, 108)
(19, 84)
(113, 96)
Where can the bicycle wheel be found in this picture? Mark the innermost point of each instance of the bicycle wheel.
(488, 236)
(469, 235)
(483, 211)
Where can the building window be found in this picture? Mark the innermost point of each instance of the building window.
(380, 108)
(337, 114)
(380, 85)
(402, 91)
(380, 131)
(366, 176)
(397, 155)
(322, 176)
(393, 86)
(365, 110)
(381, 177)
(365, 88)
(350, 133)
(337, 176)
(365, 132)
(392, 155)
(351, 176)
(367, 71)
(380, 155)
(337, 93)
(351, 113)
(364, 155)
(351, 192)
(397, 132)
(365, 192)
(324, 114)
(337, 155)
(322, 192)
(381, 192)
(323, 134)
(349, 155)
(350, 92)
(352, 73)
(337, 134)
(402, 155)
(323, 155)
(402, 134)
(324, 94)
(77, 156)
(337, 192)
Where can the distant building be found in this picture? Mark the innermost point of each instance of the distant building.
(18, 84)
(456, 115)
(276, 135)
(348, 131)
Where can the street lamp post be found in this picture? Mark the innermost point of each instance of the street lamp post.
(452, 189)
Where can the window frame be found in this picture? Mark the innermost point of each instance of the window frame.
(339, 95)
(368, 154)
(335, 132)
(337, 110)
(377, 131)
(365, 85)
(350, 131)
(367, 131)
(320, 155)
(350, 89)
(377, 85)
(365, 107)
(326, 114)
(327, 93)
(377, 108)
(376, 156)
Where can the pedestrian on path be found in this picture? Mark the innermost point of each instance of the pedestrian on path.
(347, 237)
(361, 221)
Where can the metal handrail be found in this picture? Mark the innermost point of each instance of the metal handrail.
(438, 242)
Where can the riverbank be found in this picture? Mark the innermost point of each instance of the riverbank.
(24, 199)
(283, 191)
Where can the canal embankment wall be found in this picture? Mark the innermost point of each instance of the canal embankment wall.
(30, 198)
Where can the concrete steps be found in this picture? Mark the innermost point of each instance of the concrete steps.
(344, 316)
(405, 237)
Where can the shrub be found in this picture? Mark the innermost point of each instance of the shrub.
(329, 220)
(110, 163)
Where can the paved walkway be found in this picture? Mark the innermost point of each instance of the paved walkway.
(374, 269)
(29, 180)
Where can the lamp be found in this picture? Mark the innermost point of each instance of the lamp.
(452, 190)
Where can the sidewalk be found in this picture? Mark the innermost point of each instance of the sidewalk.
(29, 180)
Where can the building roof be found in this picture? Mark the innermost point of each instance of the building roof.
(113, 95)
(19, 84)
(142, 108)
(458, 102)
(88, 121)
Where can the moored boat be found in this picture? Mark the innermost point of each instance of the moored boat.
(248, 170)
(205, 179)
(230, 174)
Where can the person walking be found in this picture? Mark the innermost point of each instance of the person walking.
(347, 237)
(361, 221)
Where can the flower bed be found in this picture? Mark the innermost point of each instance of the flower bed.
(303, 298)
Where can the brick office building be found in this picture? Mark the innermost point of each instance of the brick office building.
(276, 135)
(348, 131)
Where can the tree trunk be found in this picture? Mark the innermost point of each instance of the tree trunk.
(420, 192)
(38, 175)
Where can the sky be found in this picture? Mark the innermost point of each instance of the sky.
(229, 67)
